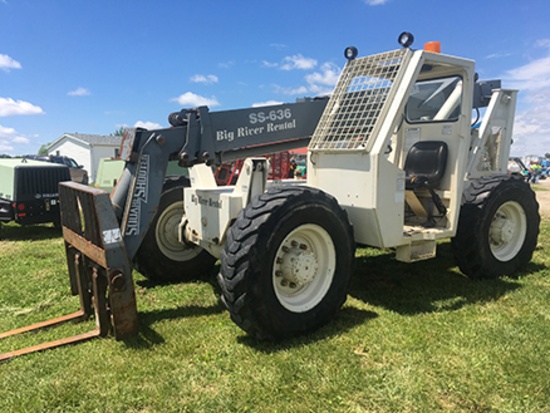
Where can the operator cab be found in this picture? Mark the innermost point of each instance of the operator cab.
(433, 109)
(397, 130)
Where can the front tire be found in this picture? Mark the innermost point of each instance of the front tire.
(498, 227)
(161, 257)
(287, 262)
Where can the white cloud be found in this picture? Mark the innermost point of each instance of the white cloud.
(532, 123)
(278, 46)
(227, 65)
(298, 62)
(9, 137)
(375, 2)
(266, 103)
(10, 107)
(543, 43)
(532, 131)
(147, 125)
(81, 91)
(7, 133)
(300, 90)
(268, 64)
(533, 76)
(5, 147)
(206, 79)
(321, 82)
(7, 63)
(328, 76)
(498, 55)
(193, 100)
(294, 62)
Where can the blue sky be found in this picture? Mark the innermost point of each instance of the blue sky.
(92, 66)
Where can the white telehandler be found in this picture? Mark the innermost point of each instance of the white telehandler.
(395, 160)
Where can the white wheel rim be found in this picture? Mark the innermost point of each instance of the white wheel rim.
(304, 268)
(166, 233)
(507, 231)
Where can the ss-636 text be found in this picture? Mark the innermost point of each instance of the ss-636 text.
(271, 116)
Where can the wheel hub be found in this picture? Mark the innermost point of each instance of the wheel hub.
(303, 268)
(299, 266)
(502, 229)
(170, 231)
(166, 233)
(507, 231)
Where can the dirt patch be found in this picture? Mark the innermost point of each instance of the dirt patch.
(542, 190)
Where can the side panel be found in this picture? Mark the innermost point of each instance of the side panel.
(210, 209)
(209, 213)
(375, 208)
(6, 179)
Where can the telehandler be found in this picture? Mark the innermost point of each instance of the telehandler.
(393, 162)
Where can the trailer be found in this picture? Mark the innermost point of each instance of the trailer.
(29, 191)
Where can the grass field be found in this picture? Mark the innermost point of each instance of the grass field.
(410, 338)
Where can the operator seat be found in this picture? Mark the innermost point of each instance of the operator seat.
(425, 164)
(424, 168)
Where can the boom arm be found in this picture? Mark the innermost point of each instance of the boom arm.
(199, 136)
(227, 136)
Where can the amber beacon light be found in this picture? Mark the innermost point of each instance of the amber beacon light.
(434, 47)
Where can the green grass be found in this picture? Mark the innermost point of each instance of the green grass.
(410, 338)
(539, 188)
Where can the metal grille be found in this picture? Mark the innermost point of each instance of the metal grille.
(32, 181)
(357, 102)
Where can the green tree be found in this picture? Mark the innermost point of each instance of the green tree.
(547, 155)
(43, 149)
(118, 132)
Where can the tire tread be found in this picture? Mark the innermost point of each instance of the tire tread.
(238, 260)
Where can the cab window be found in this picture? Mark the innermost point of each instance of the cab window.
(70, 162)
(435, 100)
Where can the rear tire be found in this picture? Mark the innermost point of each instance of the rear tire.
(161, 257)
(287, 262)
(498, 227)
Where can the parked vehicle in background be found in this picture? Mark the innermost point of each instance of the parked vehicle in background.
(78, 173)
(108, 172)
(110, 169)
(29, 191)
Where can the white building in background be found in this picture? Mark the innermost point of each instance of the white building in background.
(86, 149)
